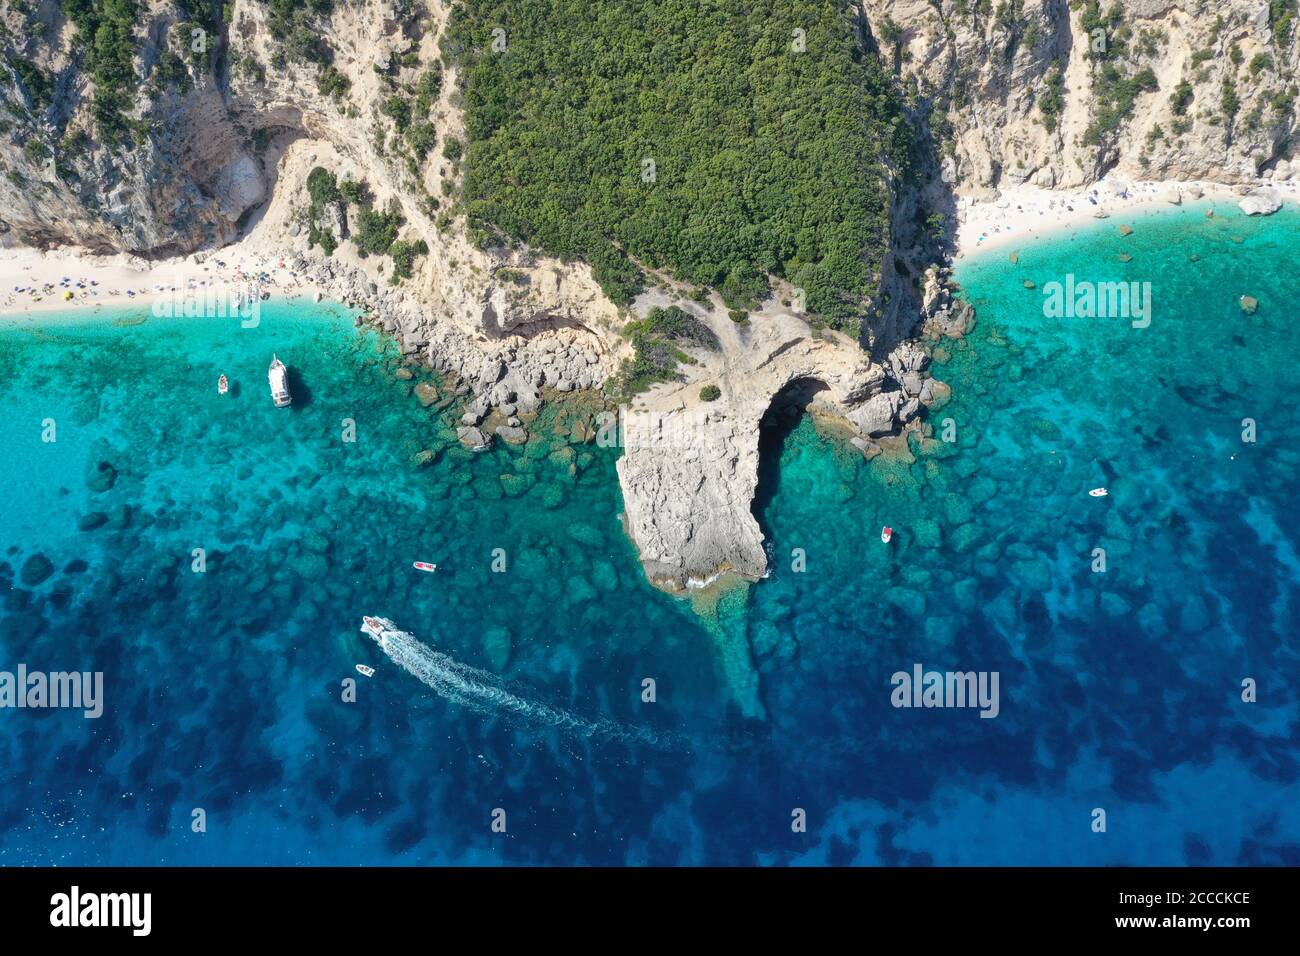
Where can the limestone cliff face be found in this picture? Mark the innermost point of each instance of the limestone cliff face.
(1058, 94)
(177, 178)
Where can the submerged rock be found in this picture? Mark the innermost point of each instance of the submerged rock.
(515, 485)
(427, 393)
(35, 570)
(91, 521)
(1248, 304)
(100, 476)
(498, 647)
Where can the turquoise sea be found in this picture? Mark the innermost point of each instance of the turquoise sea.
(224, 687)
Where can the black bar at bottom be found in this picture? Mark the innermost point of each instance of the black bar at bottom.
(334, 905)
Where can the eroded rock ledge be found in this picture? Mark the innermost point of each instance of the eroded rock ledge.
(689, 471)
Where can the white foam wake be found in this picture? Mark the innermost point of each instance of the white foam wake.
(483, 692)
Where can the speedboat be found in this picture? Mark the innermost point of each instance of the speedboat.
(375, 626)
(886, 533)
(279, 379)
(223, 385)
(425, 566)
(1099, 493)
(365, 671)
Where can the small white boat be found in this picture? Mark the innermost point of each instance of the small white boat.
(223, 385)
(279, 379)
(1099, 492)
(886, 533)
(425, 566)
(365, 671)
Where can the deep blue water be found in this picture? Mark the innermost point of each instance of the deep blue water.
(1119, 690)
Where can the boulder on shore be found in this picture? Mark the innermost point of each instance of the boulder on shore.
(1261, 202)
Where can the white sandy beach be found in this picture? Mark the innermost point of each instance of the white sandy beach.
(1024, 214)
(33, 283)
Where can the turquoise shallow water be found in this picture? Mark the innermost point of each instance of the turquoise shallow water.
(1118, 690)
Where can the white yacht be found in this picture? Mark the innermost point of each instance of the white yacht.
(279, 378)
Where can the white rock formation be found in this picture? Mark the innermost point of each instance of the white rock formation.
(689, 470)
(1261, 202)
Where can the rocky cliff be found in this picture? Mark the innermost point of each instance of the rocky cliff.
(1058, 94)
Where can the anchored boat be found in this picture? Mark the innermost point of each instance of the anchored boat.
(365, 670)
(886, 533)
(425, 566)
(223, 385)
(279, 378)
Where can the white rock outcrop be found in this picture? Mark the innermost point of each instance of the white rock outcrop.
(1261, 202)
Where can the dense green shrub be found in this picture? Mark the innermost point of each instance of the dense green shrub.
(404, 254)
(710, 393)
(427, 89)
(357, 193)
(693, 138)
(297, 25)
(676, 324)
(333, 83)
(38, 86)
(377, 231)
(322, 237)
(322, 187)
(1281, 16)
(398, 108)
(1051, 101)
(106, 37)
(422, 138)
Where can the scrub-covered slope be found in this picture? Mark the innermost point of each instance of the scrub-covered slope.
(720, 143)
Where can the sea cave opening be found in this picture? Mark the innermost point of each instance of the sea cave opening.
(782, 417)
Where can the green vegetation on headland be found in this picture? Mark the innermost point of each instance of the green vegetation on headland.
(376, 229)
(656, 343)
(722, 143)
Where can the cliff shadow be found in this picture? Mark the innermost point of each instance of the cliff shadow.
(783, 415)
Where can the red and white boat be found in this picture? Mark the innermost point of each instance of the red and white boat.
(223, 385)
(365, 670)
(1099, 493)
(425, 566)
(886, 533)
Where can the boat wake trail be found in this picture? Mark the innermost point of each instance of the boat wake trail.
(483, 692)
